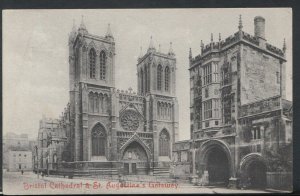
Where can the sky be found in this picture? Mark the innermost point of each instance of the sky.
(35, 52)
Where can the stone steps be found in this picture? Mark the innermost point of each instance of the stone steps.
(161, 171)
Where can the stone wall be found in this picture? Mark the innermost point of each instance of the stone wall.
(258, 75)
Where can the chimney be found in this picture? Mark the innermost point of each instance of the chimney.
(259, 27)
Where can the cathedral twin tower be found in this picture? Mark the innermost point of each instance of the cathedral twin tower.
(113, 125)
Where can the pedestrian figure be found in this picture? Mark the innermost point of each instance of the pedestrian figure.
(22, 171)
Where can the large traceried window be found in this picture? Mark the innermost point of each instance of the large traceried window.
(164, 143)
(102, 65)
(98, 140)
(159, 73)
(92, 57)
(167, 79)
(207, 77)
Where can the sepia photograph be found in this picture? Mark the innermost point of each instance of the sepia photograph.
(126, 101)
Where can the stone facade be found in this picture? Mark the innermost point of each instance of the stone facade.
(240, 123)
(103, 125)
(17, 152)
(19, 160)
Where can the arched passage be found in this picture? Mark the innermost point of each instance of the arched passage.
(217, 166)
(214, 159)
(135, 159)
(253, 169)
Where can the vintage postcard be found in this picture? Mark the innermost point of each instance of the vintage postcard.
(122, 101)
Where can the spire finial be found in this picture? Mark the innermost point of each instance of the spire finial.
(190, 54)
(108, 32)
(141, 53)
(240, 23)
(151, 45)
(201, 45)
(82, 25)
(211, 37)
(159, 48)
(171, 52)
(284, 46)
(74, 26)
(82, 22)
(219, 37)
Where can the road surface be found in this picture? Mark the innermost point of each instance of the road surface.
(16, 184)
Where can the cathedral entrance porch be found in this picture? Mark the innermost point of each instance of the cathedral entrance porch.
(135, 160)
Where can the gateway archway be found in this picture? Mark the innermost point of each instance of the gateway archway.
(214, 158)
(217, 166)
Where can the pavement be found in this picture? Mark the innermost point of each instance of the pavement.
(16, 184)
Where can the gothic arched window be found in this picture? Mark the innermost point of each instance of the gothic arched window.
(164, 143)
(92, 57)
(102, 65)
(98, 141)
(142, 81)
(91, 102)
(96, 103)
(159, 71)
(167, 79)
(146, 79)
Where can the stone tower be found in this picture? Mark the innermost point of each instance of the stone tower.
(91, 73)
(156, 82)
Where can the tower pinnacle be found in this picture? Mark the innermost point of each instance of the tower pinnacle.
(108, 32)
(211, 37)
(201, 45)
(141, 53)
(284, 46)
(240, 23)
(74, 26)
(151, 45)
(219, 37)
(171, 52)
(190, 54)
(82, 28)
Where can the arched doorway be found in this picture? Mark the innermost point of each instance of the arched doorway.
(253, 169)
(257, 174)
(214, 162)
(217, 166)
(135, 159)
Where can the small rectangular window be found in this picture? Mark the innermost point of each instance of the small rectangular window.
(207, 124)
(277, 77)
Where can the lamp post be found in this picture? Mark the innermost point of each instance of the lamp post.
(37, 160)
(48, 165)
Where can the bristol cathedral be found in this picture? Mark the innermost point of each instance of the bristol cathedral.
(104, 126)
(241, 121)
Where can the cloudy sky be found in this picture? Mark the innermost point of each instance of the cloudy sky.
(35, 52)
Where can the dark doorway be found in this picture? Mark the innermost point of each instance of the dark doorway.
(126, 168)
(218, 167)
(133, 165)
(257, 175)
